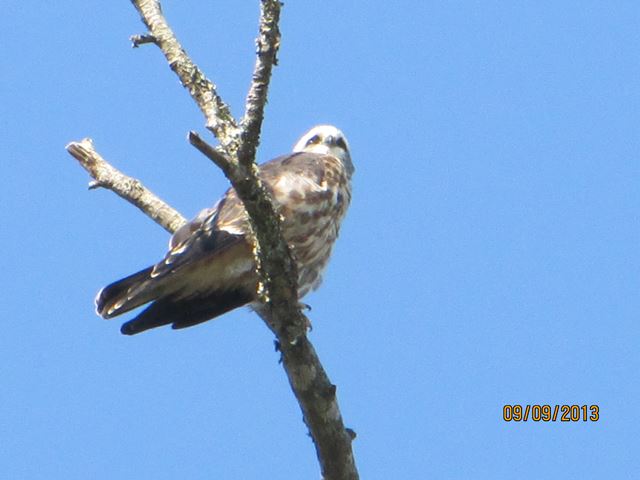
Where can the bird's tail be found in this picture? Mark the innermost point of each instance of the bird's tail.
(125, 294)
(187, 312)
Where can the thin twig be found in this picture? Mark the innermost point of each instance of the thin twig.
(126, 187)
(137, 40)
(222, 161)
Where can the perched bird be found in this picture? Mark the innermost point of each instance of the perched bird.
(209, 268)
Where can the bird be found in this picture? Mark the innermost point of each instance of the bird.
(209, 268)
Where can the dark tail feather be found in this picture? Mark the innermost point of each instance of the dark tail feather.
(113, 293)
(184, 313)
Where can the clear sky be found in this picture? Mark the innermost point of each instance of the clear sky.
(490, 255)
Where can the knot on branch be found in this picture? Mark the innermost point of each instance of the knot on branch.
(142, 39)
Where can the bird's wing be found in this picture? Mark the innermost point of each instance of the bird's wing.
(185, 231)
(201, 259)
(202, 238)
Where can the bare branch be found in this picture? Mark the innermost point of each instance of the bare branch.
(317, 398)
(126, 187)
(223, 162)
(267, 45)
(217, 113)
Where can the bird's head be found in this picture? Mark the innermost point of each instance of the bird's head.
(326, 140)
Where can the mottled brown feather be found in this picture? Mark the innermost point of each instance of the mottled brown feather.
(209, 268)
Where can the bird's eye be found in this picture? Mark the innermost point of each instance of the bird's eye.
(314, 139)
(341, 143)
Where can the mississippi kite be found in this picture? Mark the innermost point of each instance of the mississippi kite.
(209, 268)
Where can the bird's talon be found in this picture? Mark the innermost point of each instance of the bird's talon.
(304, 306)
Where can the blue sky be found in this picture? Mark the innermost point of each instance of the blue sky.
(490, 255)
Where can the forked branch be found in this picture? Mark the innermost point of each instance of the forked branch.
(236, 157)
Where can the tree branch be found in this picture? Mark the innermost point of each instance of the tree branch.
(317, 398)
(217, 113)
(223, 162)
(126, 187)
(267, 45)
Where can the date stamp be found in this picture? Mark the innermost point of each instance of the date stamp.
(548, 413)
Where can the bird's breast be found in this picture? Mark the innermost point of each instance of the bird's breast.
(311, 231)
